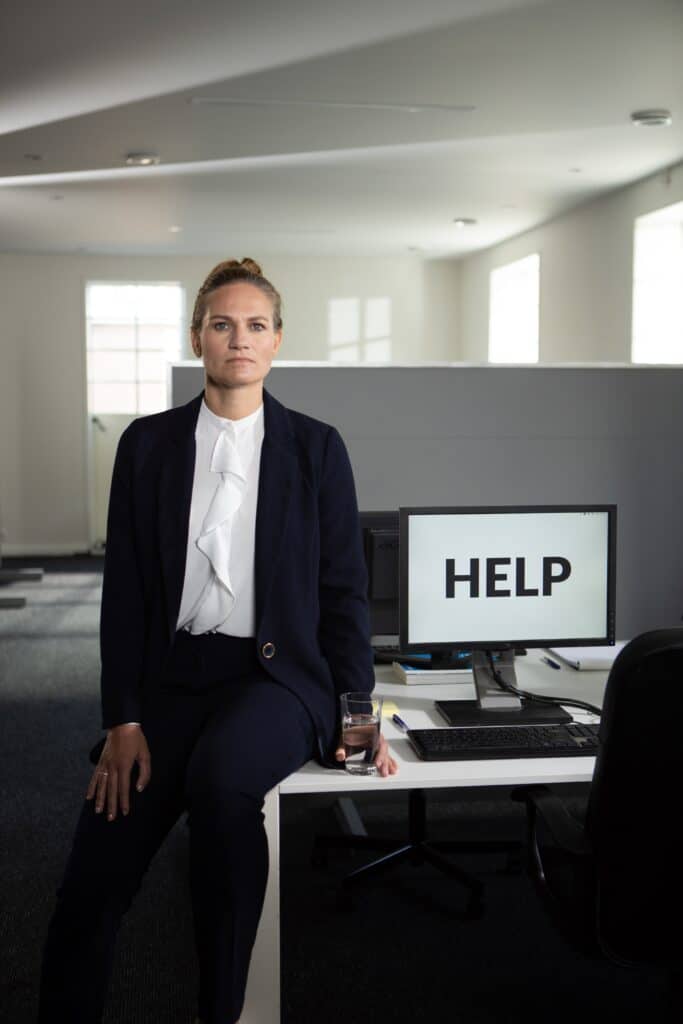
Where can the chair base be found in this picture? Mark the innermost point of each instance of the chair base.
(20, 575)
(416, 850)
(17, 576)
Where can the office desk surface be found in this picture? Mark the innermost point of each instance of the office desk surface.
(415, 705)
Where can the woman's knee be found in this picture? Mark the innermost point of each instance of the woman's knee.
(222, 803)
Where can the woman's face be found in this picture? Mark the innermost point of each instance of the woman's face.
(237, 340)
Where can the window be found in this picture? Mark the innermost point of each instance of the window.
(360, 331)
(513, 311)
(657, 334)
(133, 331)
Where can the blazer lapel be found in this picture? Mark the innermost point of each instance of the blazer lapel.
(277, 471)
(175, 497)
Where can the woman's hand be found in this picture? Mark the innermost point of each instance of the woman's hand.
(384, 762)
(110, 782)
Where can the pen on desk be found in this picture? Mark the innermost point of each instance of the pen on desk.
(549, 661)
(399, 722)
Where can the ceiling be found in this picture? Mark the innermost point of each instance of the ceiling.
(310, 126)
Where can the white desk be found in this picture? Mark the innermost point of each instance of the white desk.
(415, 705)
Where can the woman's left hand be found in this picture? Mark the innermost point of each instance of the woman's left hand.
(384, 762)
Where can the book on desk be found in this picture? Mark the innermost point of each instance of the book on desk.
(412, 673)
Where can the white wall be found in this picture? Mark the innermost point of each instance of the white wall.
(43, 428)
(439, 313)
(586, 276)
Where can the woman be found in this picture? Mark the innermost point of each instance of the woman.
(233, 615)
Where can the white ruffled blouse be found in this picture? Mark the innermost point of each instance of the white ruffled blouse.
(218, 589)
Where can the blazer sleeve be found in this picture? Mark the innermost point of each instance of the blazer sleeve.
(344, 615)
(122, 619)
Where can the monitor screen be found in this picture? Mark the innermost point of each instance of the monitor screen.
(491, 578)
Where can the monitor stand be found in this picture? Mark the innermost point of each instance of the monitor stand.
(496, 706)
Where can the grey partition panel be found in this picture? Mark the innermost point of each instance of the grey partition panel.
(462, 435)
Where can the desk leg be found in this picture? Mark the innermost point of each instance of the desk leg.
(262, 1003)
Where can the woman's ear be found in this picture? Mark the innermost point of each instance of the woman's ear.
(196, 344)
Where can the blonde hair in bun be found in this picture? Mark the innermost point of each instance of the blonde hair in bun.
(228, 272)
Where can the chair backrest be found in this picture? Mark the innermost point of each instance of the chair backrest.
(636, 803)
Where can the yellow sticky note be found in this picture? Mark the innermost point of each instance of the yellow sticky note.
(389, 709)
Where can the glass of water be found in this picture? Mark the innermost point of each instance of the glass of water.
(361, 716)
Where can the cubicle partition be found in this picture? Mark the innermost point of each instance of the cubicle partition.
(474, 435)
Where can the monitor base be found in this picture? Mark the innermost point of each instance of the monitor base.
(529, 714)
(498, 704)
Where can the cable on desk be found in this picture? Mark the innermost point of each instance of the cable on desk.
(568, 702)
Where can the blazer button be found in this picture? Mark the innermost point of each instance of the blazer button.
(268, 650)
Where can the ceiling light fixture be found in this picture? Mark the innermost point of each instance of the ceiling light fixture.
(174, 229)
(464, 222)
(142, 159)
(655, 118)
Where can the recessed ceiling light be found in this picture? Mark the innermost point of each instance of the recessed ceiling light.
(141, 159)
(32, 156)
(464, 222)
(174, 229)
(655, 118)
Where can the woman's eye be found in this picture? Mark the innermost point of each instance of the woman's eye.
(221, 325)
(258, 327)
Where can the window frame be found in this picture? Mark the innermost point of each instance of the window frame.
(493, 314)
(135, 350)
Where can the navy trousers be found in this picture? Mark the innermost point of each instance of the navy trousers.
(221, 734)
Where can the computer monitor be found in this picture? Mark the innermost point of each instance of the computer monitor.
(380, 545)
(494, 579)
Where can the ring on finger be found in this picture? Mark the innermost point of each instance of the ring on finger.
(103, 773)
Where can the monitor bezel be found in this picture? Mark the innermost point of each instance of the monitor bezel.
(607, 639)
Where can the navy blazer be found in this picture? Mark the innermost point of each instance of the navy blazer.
(310, 575)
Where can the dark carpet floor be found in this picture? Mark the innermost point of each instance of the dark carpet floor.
(401, 954)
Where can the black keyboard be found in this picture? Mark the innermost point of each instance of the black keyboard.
(490, 742)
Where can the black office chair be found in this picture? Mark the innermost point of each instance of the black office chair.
(613, 883)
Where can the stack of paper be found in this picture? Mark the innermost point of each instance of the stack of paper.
(588, 658)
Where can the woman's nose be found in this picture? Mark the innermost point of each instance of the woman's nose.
(239, 337)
